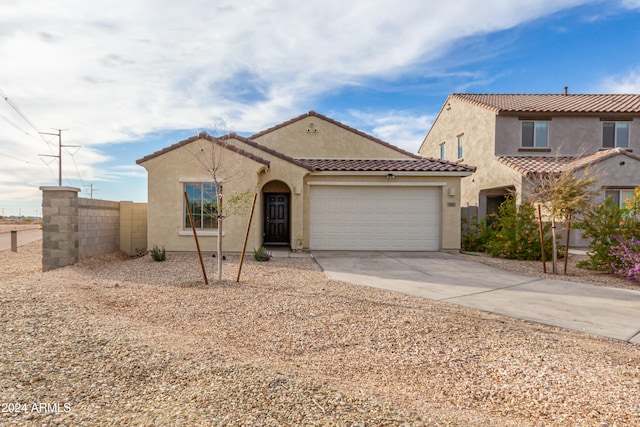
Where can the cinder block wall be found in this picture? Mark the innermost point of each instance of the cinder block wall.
(98, 227)
(74, 228)
(59, 226)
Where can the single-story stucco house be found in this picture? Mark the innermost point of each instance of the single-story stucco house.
(321, 185)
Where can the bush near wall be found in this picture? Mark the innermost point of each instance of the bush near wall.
(513, 233)
(613, 232)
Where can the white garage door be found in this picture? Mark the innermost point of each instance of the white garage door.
(375, 218)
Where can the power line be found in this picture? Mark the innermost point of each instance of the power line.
(17, 109)
(15, 158)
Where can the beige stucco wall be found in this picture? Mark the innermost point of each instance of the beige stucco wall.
(167, 175)
(477, 127)
(568, 136)
(133, 228)
(316, 138)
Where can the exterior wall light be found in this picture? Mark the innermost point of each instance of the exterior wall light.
(390, 176)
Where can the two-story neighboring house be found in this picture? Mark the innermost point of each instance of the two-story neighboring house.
(510, 138)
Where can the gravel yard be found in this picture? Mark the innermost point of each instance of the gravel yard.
(113, 341)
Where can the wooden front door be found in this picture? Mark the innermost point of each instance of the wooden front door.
(276, 218)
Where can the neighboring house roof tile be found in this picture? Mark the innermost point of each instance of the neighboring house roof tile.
(555, 103)
(336, 123)
(409, 165)
(535, 165)
(204, 135)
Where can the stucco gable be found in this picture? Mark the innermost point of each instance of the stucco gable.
(279, 137)
(267, 150)
(205, 136)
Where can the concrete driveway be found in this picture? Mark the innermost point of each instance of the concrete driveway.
(597, 310)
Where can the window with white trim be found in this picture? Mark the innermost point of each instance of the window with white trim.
(615, 134)
(204, 206)
(442, 151)
(619, 196)
(460, 140)
(535, 134)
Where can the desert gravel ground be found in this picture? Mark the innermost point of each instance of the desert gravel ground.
(118, 342)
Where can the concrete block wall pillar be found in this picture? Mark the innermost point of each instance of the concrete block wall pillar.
(59, 226)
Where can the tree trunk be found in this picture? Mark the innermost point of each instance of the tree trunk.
(540, 230)
(566, 250)
(219, 234)
(554, 255)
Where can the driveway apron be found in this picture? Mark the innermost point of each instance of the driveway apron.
(596, 310)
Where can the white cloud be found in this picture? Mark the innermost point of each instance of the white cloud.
(631, 4)
(623, 83)
(402, 128)
(115, 71)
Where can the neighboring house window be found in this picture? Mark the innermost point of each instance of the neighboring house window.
(535, 134)
(204, 206)
(615, 134)
(619, 197)
(442, 151)
(460, 146)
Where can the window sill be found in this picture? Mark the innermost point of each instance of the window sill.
(203, 233)
(534, 150)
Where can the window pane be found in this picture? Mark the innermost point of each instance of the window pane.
(527, 134)
(608, 134)
(613, 195)
(442, 152)
(622, 135)
(203, 204)
(459, 147)
(626, 195)
(541, 134)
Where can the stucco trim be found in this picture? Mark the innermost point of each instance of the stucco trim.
(378, 184)
(201, 233)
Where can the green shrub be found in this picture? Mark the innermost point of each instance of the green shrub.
(261, 254)
(158, 254)
(602, 223)
(475, 234)
(516, 233)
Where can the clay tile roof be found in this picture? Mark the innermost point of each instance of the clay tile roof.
(204, 135)
(530, 165)
(535, 165)
(555, 103)
(409, 165)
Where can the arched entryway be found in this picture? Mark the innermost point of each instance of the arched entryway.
(277, 214)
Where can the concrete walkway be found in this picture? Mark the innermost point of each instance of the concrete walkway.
(597, 310)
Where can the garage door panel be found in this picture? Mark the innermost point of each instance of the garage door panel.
(375, 218)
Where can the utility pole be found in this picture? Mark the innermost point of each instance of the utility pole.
(91, 190)
(59, 156)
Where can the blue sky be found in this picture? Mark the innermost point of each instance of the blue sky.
(124, 79)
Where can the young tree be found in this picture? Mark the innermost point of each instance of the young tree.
(211, 157)
(563, 195)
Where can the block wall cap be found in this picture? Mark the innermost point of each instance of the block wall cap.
(58, 188)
